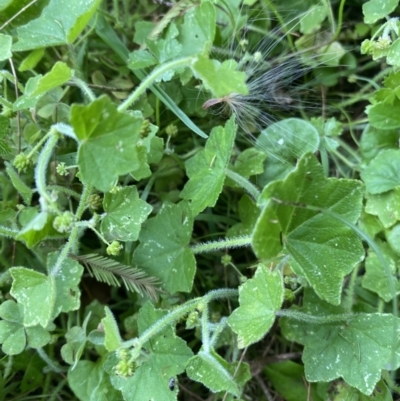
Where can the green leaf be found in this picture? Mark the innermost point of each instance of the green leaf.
(259, 299)
(393, 238)
(125, 213)
(393, 56)
(322, 249)
(37, 86)
(90, 382)
(4, 4)
(67, 296)
(284, 142)
(31, 289)
(113, 338)
(76, 338)
(250, 162)
(141, 59)
(103, 131)
(213, 75)
(166, 357)
(375, 10)
(13, 334)
(384, 115)
(375, 278)
(383, 173)
(4, 126)
(287, 379)
(217, 374)
(60, 23)
(356, 350)
(36, 227)
(168, 48)
(25, 192)
(45, 297)
(197, 32)
(386, 206)
(206, 170)
(374, 140)
(313, 19)
(30, 62)
(5, 47)
(248, 214)
(163, 251)
(110, 37)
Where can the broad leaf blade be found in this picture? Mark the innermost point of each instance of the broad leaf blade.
(104, 131)
(60, 23)
(322, 249)
(164, 252)
(259, 299)
(383, 173)
(125, 213)
(356, 350)
(166, 357)
(216, 373)
(206, 170)
(44, 297)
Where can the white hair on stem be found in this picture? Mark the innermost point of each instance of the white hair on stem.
(275, 86)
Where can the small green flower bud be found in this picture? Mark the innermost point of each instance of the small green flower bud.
(367, 46)
(94, 201)
(383, 43)
(115, 189)
(288, 295)
(192, 320)
(64, 222)
(145, 129)
(22, 162)
(171, 130)
(257, 57)
(122, 354)
(124, 368)
(226, 259)
(114, 248)
(61, 169)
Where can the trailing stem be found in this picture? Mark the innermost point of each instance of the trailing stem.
(234, 242)
(151, 78)
(171, 318)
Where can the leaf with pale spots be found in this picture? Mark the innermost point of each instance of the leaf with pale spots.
(44, 297)
(125, 213)
(356, 349)
(259, 299)
(322, 248)
(108, 142)
(206, 170)
(60, 23)
(164, 252)
(166, 356)
(217, 374)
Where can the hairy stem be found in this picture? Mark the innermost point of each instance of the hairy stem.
(72, 242)
(41, 166)
(234, 242)
(151, 78)
(308, 318)
(245, 184)
(172, 317)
